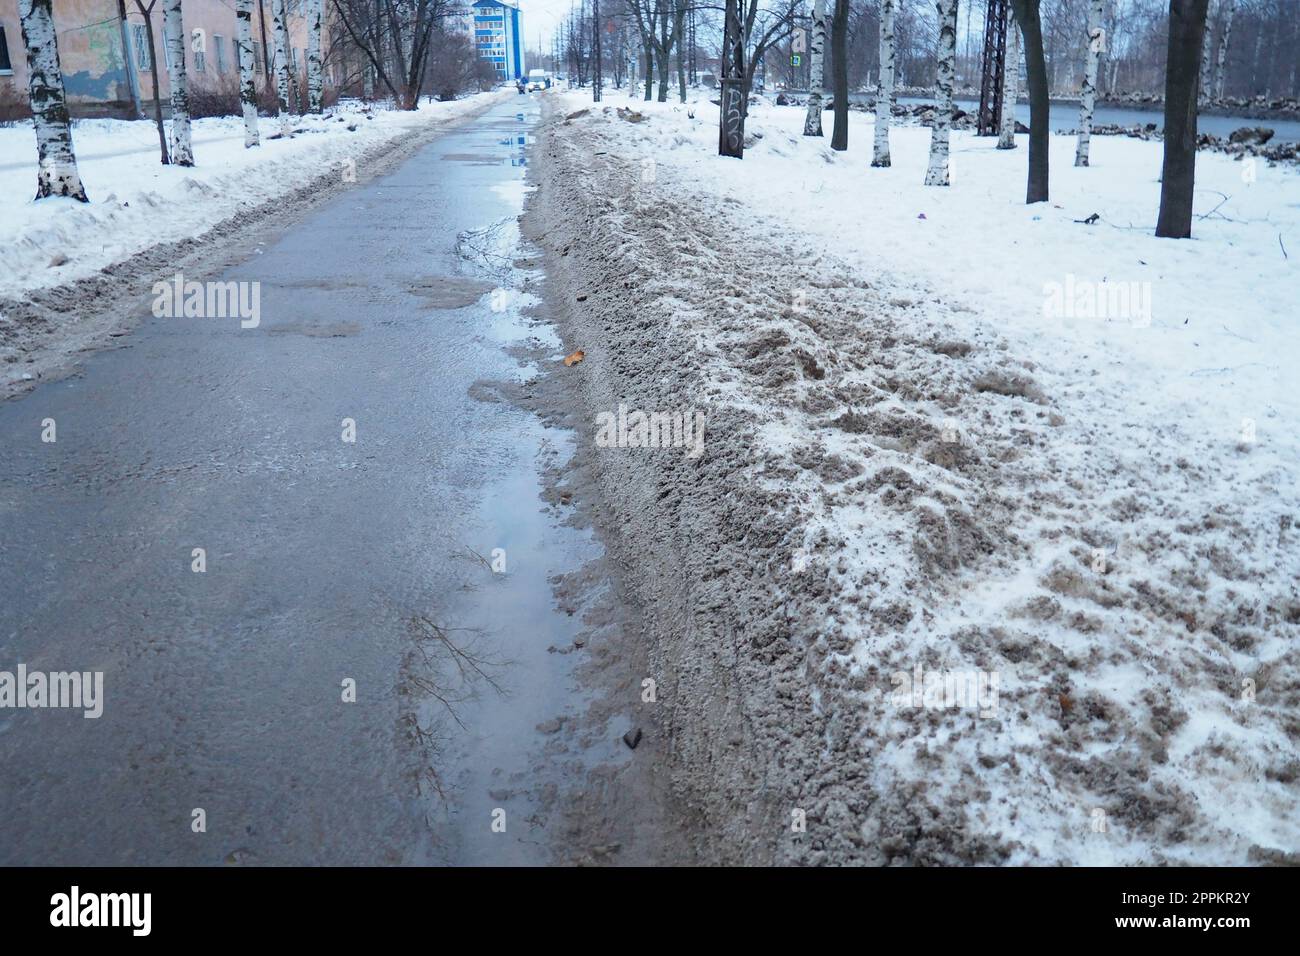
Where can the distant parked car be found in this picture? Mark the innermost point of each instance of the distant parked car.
(538, 80)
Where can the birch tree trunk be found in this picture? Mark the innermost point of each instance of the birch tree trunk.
(174, 38)
(280, 21)
(315, 81)
(247, 71)
(57, 163)
(1089, 98)
(1010, 85)
(937, 174)
(1230, 8)
(812, 124)
(885, 93)
(1207, 57)
(681, 10)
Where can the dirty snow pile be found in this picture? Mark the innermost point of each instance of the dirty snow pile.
(1000, 504)
(136, 202)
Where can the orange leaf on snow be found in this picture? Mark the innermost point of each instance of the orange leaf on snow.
(575, 358)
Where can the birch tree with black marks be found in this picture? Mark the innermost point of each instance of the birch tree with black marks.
(1178, 175)
(174, 38)
(279, 18)
(937, 173)
(1205, 85)
(315, 80)
(1088, 99)
(247, 71)
(885, 92)
(56, 173)
(1010, 85)
(1229, 10)
(812, 124)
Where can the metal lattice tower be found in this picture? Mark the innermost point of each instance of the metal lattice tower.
(992, 68)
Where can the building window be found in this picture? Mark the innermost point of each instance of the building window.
(200, 60)
(5, 66)
(219, 47)
(257, 56)
(140, 40)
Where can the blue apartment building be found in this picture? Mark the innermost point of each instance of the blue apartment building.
(498, 35)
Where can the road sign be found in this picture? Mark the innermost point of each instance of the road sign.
(795, 59)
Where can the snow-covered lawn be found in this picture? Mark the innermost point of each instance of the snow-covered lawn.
(137, 202)
(1059, 453)
(1222, 339)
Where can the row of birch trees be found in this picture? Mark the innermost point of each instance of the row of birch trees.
(1251, 48)
(57, 173)
(1186, 75)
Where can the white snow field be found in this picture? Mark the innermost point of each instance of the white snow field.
(136, 202)
(1002, 442)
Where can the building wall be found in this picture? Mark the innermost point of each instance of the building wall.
(96, 74)
(90, 53)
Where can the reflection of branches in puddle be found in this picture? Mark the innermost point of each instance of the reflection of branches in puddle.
(430, 742)
(472, 668)
(469, 554)
(482, 247)
(427, 672)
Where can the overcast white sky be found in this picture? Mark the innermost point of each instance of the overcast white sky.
(541, 18)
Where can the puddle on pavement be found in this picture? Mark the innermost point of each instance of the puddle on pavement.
(474, 159)
(519, 144)
(449, 292)
(488, 251)
(316, 330)
(504, 736)
(509, 150)
(505, 757)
